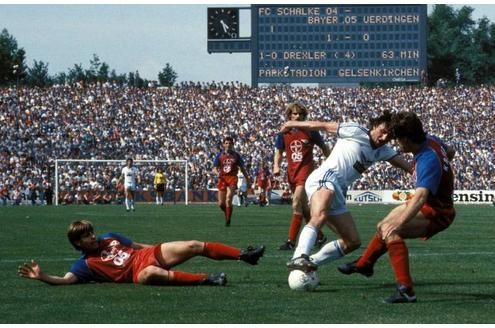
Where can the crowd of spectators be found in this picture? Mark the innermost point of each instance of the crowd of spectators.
(188, 121)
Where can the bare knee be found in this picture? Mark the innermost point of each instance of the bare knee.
(351, 244)
(153, 276)
(296, 205)
(318, 218)
(194, 246)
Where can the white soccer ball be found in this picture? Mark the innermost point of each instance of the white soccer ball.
(300, 280)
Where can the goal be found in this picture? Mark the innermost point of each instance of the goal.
(78, 181)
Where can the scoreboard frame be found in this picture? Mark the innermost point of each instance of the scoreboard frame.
(338, 43)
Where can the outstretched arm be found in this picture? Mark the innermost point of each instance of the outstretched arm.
(33, 271)
(401, 162)
(413, 207)
(329, 127)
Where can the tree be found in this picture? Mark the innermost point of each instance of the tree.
(76, 74)
(119, 79)
(38, 75)
(167, 76)
(12, 60)
(455, 41)
(482, 53)
(103, 72)
(60, 78)
(94, 68)
(138, 81)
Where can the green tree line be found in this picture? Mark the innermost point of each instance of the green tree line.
(459, 50)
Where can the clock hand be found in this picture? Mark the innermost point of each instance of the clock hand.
(225, 26)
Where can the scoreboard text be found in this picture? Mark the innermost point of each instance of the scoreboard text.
(339, 43)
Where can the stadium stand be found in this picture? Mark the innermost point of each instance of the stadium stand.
(188, 121)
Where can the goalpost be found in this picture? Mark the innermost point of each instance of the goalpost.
(77, 173)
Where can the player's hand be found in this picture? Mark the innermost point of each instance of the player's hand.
(30, 270)
(285, 127)
(288, 125)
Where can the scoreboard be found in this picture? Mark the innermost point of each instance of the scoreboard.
(338, 43)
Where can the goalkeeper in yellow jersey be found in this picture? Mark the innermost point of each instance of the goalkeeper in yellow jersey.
(159, 182)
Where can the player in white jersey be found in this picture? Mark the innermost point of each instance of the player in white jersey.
(356, 149)
(130, 175)
(242, 189)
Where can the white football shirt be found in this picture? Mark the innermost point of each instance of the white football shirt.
(130, 174)
(352, 154)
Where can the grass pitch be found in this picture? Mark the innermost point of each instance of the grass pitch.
(453, 272)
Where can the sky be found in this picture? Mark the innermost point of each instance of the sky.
(132, 37)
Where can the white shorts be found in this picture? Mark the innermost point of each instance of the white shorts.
(324, 178)
(131, 187)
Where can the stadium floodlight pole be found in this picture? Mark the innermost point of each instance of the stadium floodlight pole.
(186, 188)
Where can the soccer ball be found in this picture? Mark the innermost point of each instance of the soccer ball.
(300, 280)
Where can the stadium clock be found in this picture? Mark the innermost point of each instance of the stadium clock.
(223, 23)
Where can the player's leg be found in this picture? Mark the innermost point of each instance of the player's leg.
(319, 204)
(426, 223)
(245, 197)
(127, 192)
(177, 252)
(320, 239)
(154, 275)
(222, 194)
(228, 204)
(399, 254)
(375, 249)
(131, 197)
(299, 203)
(344, 226)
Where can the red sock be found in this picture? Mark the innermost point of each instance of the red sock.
(219, 251)
(185, 278)
(228, 213)
(222, 207)
(295, 225)
(399, 257)
(375, 249)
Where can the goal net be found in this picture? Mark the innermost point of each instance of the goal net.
(91, 181)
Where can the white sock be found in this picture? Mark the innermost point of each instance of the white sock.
(157, 200)
(306, 241)
(329, 252)
(132, 203)
(127, 203)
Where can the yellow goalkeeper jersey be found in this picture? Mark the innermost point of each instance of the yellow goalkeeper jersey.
(160, 178)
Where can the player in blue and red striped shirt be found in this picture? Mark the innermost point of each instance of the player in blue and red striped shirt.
(298, 145)
(112, 257)
(226, 165)
(428, 212)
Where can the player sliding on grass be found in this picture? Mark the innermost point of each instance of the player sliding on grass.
(428, 212)
(356, 149)
(114, 258)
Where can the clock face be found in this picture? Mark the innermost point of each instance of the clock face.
(223, 23)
